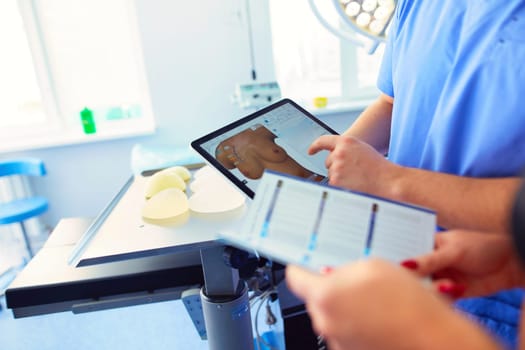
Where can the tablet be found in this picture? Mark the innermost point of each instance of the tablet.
(276, 138)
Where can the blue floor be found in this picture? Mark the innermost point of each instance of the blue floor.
(155, 326)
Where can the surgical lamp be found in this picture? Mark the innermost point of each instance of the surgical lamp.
(364, 22)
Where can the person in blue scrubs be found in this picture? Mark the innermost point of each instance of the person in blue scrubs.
(452, 123)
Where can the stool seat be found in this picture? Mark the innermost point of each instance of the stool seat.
(22, 209)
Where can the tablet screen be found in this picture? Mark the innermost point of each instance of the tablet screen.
(276, 138)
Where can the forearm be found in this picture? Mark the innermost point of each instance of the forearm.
(450, 330)
(461, 202)
(373, 125)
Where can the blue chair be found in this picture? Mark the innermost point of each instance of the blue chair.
(20, 209)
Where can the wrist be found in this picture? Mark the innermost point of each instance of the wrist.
(513, 271)
(518, 279)
(392, 185)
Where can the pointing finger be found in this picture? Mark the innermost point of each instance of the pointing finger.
(325, 142)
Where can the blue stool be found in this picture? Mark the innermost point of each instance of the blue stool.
(19, 210)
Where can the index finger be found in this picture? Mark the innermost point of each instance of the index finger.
(325, 142)
(301, 281)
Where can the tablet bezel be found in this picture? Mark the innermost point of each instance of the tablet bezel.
(197, 144)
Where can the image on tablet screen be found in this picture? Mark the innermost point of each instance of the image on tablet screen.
(277, 140)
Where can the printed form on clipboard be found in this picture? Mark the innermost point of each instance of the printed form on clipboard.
(292, 220)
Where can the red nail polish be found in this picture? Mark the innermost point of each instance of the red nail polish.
(454, 290)
(410, 264)
(326, 270)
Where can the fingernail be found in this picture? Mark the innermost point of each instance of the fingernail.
(410, 264)
(326, 270)
(454, 290)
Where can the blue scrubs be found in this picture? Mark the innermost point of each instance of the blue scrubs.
(456, 70)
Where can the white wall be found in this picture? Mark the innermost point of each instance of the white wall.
(195, 52)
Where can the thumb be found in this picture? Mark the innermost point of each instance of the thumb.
(301, 281)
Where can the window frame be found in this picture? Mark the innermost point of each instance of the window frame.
(352, 97)
(28, 11)
(56, 130)
(350, 90)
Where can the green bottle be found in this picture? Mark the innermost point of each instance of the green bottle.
(88, 122)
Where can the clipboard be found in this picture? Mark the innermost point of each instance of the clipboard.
(316, 225)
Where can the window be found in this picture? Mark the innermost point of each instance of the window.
(310, 61)
(74, 73)
(20, 99)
